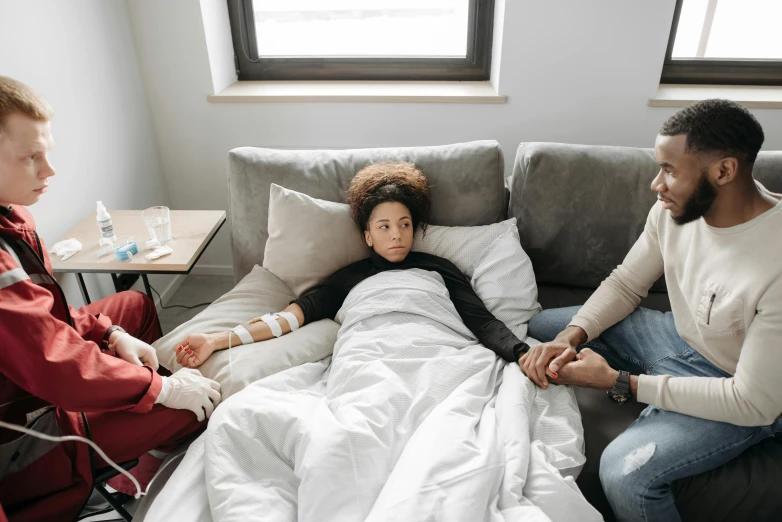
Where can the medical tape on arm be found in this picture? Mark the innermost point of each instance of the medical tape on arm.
(292, 321)
(270, 320)
(242, 333)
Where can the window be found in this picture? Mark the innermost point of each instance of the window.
(725, 42)
(362, 40)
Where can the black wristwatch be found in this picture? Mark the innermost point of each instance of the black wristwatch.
(620, 393)
(113, 328)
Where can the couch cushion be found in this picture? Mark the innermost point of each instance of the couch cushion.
(746, 488)
(580, 208)
(467, 185)
(768, 170)
(558, 296)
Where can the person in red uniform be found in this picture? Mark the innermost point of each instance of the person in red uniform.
(88, 372)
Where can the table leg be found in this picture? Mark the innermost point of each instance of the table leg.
(148, 289)
(83, 288)
(115, 280)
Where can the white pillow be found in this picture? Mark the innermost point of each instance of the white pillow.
(310, 239)
(259, 292)
(504, 280)
(463, 246)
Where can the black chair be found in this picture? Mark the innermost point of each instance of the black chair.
(108, 474)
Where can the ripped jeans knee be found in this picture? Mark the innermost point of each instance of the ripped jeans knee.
(627, 475)
(636, 459)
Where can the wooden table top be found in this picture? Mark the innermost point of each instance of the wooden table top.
(191, 231)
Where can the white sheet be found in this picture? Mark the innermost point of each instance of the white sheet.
(413, 420)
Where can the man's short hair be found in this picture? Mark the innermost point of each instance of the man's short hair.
(18, 97)
(718, 126)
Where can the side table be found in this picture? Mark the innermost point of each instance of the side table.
(191, 230)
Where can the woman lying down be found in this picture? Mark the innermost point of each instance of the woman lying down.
(411, 419)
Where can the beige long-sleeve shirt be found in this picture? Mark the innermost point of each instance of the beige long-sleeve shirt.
(725, 288)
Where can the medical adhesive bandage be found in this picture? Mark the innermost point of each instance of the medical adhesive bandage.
(242, 333)
(271, 321)
(292, 321)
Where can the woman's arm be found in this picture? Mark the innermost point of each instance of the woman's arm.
(321, 303)
(489, 330)
(259, 330)
(195, 349)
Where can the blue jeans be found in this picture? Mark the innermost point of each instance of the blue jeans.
(638, 467)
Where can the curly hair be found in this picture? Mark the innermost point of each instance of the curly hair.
(385, 182)
(720, 126)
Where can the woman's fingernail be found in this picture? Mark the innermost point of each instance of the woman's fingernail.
(555, 375)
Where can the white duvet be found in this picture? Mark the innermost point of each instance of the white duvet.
(411, 420)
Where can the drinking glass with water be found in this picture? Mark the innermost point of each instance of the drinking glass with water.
(158, 222)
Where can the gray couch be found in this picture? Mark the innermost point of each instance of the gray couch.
(579, 210)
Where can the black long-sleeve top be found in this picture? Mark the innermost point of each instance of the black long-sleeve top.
(326, 300)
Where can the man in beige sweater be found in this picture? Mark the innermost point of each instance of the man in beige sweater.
(710, 370)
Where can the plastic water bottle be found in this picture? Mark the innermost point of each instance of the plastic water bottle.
(107, 235)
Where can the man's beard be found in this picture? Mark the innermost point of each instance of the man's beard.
(698, 203)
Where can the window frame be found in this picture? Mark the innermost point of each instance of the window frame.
(715, 70)
(476, 66)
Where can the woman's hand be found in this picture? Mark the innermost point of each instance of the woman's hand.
(194, 350)
(544, 360)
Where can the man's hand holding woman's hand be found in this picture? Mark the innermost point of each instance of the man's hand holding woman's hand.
(542, 362)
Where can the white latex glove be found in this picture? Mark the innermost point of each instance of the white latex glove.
(135, 351)
(187, 389)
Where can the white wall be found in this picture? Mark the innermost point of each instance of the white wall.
(81, 57)
(573, 71)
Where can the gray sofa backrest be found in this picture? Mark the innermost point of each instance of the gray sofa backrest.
(580, 208)
(466, 179)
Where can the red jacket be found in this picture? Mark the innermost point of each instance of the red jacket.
(49, 351)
